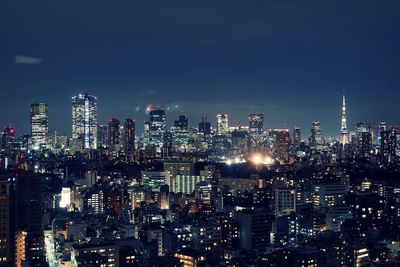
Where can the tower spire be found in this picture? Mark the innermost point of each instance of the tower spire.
(344, 135)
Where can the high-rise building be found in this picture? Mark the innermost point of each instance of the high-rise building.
(84, 120)
(344, 135)
(167, 144)
(205, 126)
(381, 127)
(388, 143)
(129, 138)
(282, 143)
(180, 134)
(384, 143)
(182, 122)
(296, 137)
(316, 137)
(8, 136)
(256, 129)
(7, 244)
(113, 132)
(156, 129)
(31, 201)
(394, 133)
(39, 124)
(222, 124)
(363, 140)
(102, 135)
(256, 122)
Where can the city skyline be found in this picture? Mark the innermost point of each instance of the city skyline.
(173, 112)
(182, 133)
(289, 62)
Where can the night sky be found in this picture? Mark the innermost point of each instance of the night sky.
(287, 59)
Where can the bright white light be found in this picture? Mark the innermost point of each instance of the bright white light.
(229, 162)
(149, 108)
(256, 159)
(259, 159)
(65, 197)
(268, 161)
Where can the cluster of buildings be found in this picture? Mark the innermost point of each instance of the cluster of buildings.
(197, 196)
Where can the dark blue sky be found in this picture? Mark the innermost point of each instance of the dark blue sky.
(287, 59)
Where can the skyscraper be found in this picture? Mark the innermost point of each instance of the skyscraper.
(102, 135)
(156, 129)
(256, 122)
(182, 122)
(7, 204)
(8, 136)
(113, 132)
(180, 134)
(282, 144)
(316, 138)
(344, 135)
(222, 124)
(256, 128)
(39, 124)
(296, 137)
(363, 140)
(204, 126)
(84, 120)
(388, 145)
(129, 138)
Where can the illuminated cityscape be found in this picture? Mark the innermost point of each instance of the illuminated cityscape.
(197, 196)
(199, 134)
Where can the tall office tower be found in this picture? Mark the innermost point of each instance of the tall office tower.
(256, 129)
(282, 144)
(180, 134)
(39, 124)
(384, 144)
(84, 120)
(157, 127)
(382, 126)
(344, 135)
(363, 140)
(388, 145)
(7, 202)
(204, 126)
(222, 124)
(394, 134)
(113, 132)
(296, 137)
(102, 135)
(256, 122)
(316, 138)
(31, 202)
(129, 138)
(167, 144)
(8, 136)
(182, 122)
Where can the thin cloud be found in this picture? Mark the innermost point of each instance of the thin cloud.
(19, 59)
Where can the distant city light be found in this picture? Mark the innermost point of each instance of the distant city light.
(260, 159)
(149, 108)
